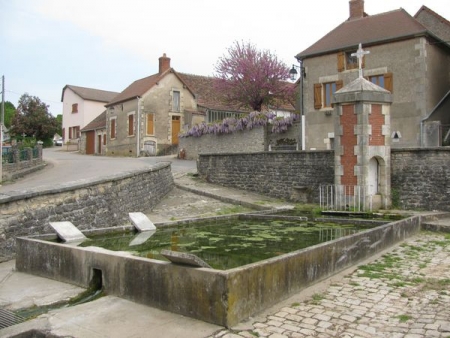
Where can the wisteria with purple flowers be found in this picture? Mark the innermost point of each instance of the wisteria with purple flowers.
(248, 122)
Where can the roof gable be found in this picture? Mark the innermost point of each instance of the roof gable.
(369, 30)
(140, 87)
(90, 94)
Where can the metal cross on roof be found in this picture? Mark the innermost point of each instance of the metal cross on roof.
(360, 54)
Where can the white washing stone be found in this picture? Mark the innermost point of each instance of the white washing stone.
(141, 221)
(68, 232)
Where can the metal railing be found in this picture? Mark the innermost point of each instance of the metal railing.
(344, 198)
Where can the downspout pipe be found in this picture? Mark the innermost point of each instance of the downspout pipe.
(138, 123)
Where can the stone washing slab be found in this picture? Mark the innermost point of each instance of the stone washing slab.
(142, 237)
(184, 258)
(141, 221)
(68, 232)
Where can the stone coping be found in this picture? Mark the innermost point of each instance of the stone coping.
(78, 184)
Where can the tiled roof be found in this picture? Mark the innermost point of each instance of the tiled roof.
(369, 30)
(206, 93)
(98, 123)
(137, 88)
(90, 94)
(440, 18)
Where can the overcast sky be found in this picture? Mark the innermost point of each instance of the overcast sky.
(108, 44)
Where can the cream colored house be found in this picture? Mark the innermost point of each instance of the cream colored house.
(81, 105)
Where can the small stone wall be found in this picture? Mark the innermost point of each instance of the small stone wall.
(420, 178)
(293, 176)
(256, 140)
(18, 168)
(91, 204)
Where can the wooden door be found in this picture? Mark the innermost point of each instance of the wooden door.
(175, 129)
(90, 142)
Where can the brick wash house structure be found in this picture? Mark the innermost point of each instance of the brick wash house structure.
(146, 118)
(409, 56)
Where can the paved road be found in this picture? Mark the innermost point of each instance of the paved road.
(64, 167)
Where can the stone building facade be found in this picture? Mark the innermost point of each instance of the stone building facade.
(406, 57)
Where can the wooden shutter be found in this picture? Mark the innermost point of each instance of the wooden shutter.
(130, 125)
(317, 96)
(113, 128)
(389, 82)
(150, 124)
(339, 84)
(341, 61)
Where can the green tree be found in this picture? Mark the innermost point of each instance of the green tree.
(59, 119)
(9, 113)
(32, 119)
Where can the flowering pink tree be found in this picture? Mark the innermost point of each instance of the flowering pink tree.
(250, 78)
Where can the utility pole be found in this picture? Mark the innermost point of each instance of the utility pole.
(2, 122)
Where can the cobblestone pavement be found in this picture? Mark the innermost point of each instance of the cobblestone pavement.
(403, 293)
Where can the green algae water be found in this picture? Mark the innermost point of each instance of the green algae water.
(230, 243)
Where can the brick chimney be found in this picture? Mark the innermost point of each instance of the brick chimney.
(356, 9)
(164, 63)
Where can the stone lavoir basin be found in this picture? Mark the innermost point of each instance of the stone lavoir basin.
(256, 265)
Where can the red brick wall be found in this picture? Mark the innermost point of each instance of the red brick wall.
(376, 120)
(348, 121)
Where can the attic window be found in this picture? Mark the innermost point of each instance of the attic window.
(345, 61)
(75, 108)
(351, 62)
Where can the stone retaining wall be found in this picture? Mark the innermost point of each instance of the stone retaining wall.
(288, 175)
(256, 140)
(91, 204)
(420, 178)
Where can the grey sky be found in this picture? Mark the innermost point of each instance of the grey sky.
(107, 44)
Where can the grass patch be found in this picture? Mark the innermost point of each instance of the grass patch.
(295, 304)
(316, 298)
(403, 318)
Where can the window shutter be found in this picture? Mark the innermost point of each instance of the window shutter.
(130, 125)
(113, 128)
(341, 61)
(317, 96)
(389, 82)
(339, 84)
(150, 127)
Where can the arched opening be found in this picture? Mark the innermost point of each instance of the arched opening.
(374, 176)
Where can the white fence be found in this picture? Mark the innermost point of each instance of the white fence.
(345, 198)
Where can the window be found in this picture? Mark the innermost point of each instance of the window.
(74, 132)
(176, 101)
(104, 139)
(131, 124)
(112, 128)
(75, 108)
(323, 93)
(384, 81)
(150, 124)
(345, 61)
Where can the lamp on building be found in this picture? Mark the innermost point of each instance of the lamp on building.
(293, 73)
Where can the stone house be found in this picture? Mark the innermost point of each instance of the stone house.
(409, 56)
(93, 136)
(80, 106)
(147, 117)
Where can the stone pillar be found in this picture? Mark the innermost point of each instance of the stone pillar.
(363, 145)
